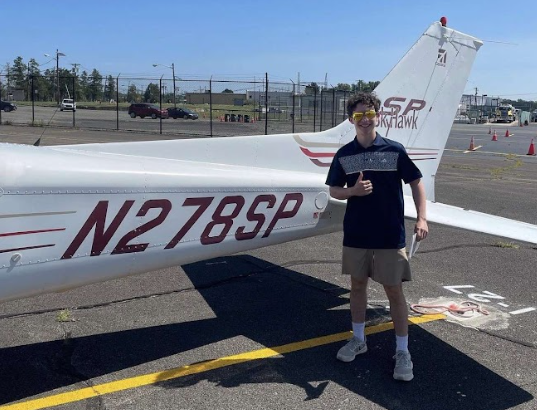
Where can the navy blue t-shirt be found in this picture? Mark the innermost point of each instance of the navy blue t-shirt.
(374, 221)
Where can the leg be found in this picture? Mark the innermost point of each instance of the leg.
(357, 344)
(398, 309)
(358, 300)
(355, 263)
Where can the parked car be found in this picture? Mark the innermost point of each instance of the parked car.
(182, 113)
(68, 104)
(143, 110)
(6, 106)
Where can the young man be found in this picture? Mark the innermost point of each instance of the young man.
(367, 172)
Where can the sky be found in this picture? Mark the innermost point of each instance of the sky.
(342, 41)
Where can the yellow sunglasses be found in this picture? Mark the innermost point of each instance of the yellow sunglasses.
(357, 116)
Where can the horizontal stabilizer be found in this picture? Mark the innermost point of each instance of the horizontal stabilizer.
(475, 221)
(467, 219)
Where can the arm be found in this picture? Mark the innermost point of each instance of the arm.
(418, 194)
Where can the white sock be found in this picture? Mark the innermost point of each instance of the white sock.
(401, 343)
(358, 329)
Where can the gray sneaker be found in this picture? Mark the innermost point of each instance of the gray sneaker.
(353, 347)
(403, 366)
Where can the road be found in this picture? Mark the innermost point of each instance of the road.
(260, 330)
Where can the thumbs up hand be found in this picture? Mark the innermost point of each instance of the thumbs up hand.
(362, 187)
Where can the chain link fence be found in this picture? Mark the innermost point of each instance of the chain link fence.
(220, 107)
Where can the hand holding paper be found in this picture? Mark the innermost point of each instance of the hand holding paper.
(413, 247)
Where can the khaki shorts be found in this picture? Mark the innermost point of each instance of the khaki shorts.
(386, 266)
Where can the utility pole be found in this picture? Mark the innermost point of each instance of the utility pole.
(58, 54)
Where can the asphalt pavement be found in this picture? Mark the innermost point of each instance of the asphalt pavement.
(260, 330)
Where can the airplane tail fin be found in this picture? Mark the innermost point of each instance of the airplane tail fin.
(420, 97)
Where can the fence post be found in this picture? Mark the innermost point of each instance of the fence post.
(266, 103)
(333, 107)
(74, 101)
(211, 104)
(314, 107)
(160, 103)
(117, 101)
(33, 97)
(294, 95)
(321, 113)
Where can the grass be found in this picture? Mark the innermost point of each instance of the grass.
(64, 316)
(497, 173)
(506, 245)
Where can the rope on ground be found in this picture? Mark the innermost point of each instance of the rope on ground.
(453, 308)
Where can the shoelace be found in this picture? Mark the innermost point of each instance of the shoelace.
(402, 359)
(355, 344)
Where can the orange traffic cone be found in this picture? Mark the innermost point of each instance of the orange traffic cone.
(490, 130)
(472, 147)
(494, 136)
(531, 150)
(507, 132)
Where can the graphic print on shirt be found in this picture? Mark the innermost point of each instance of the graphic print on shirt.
(369, 161)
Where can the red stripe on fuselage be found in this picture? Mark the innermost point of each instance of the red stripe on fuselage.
(317, 154)
(26, 248)
(30, 232)
(319, 163)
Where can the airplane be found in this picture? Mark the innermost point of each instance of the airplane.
(73, 215)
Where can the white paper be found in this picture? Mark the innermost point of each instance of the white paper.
(413, 247)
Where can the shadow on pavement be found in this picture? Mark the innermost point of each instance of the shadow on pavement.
(270, 305)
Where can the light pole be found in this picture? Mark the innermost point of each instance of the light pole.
(58, 54)
(173, 74)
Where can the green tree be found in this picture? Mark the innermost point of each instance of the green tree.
(152, 93)
(110, 88)
(35, 79)
(18, 74)
(366, 86)
(312, 88)
(343, 87)
(67, 83)
(82, 91)
(46, 90)
(132, 94)
(227, 91)
(95, 86)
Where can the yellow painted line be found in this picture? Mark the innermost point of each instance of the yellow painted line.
(152, 378)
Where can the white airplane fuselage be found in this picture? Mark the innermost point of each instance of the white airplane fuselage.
(72, 218)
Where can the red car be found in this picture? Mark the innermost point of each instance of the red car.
(143, 110)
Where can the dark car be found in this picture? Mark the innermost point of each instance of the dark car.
(7, 106)
(182, 113)
(143, 110)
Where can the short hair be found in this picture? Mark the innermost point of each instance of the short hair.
(369, 99)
